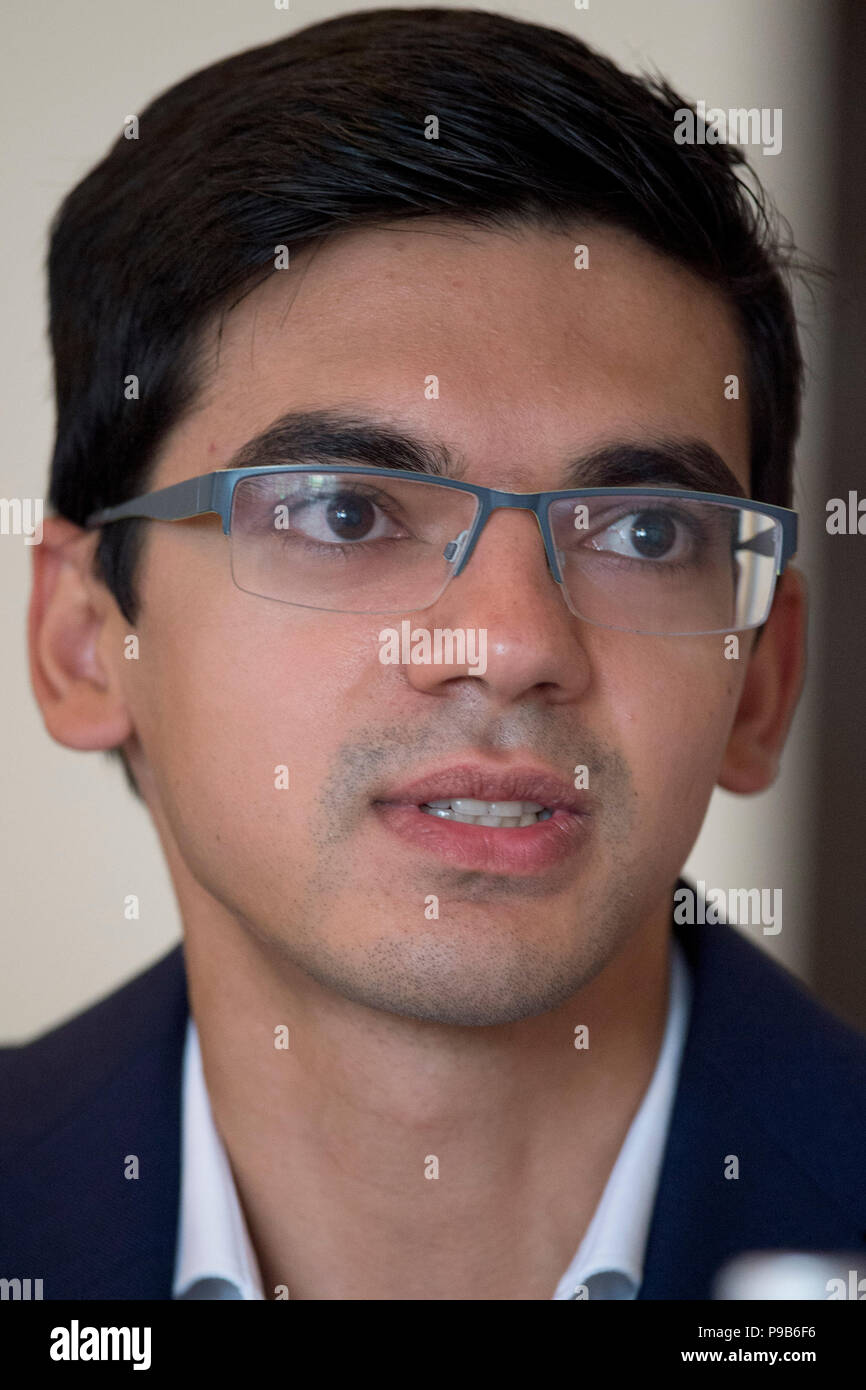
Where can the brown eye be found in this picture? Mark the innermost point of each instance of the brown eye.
(351, 517)
(653, 534)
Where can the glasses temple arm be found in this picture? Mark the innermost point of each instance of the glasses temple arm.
(194, 497)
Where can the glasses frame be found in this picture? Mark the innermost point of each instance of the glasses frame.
(214, 492)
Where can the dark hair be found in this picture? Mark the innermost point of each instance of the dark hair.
(323, 130)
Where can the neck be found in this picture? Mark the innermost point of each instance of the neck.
(380, 1156)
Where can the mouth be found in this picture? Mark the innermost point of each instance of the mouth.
(520, 820)
(503, 815)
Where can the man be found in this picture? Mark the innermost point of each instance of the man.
(433, 1032)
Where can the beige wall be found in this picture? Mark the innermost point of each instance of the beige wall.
(74, 841)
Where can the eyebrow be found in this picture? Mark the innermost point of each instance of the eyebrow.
(328, 437)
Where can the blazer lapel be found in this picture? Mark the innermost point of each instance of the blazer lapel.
(92, 1189)
(768, 1088)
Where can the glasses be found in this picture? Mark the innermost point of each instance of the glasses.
(360, 539)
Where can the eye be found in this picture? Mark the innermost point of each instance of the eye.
(651, 534)
(344, 516)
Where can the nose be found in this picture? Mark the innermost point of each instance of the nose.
(507, 597)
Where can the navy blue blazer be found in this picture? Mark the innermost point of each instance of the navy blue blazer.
(768, 1074)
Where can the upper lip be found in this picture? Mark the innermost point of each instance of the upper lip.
(479, 783)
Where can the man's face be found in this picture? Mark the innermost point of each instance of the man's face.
(537, 362)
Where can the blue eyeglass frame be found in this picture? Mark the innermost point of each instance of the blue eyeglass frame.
(214, 492)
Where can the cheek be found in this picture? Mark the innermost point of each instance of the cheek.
(235, 695)
(674, 704)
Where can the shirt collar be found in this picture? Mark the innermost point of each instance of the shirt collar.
(609, 1262)
(215, 1257)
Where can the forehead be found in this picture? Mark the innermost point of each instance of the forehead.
(495, 342)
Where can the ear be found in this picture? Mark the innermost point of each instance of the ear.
(774, 680)
(74, 627)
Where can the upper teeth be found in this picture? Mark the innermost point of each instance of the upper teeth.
(500, 813)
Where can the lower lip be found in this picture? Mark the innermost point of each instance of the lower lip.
(528, 849)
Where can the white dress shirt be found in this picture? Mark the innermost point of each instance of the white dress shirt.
(215, 1257)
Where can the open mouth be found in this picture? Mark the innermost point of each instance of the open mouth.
(506, 815)
(520, 819)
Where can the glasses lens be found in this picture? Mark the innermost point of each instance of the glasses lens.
(347, 542)
(665, 565)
